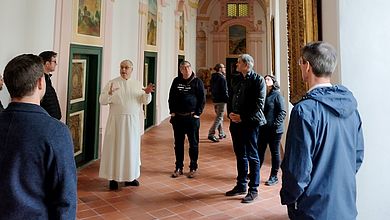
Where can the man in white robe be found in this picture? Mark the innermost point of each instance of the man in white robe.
(121, 158)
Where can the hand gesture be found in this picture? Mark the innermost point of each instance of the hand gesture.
(110, 92)
(150, 88)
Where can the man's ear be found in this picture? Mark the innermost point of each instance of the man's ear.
(41, 83)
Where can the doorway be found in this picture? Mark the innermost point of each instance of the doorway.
(150, 63)
(230, 70)
(180, 59)
(83, 107)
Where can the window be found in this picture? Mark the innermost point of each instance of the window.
(237, 9)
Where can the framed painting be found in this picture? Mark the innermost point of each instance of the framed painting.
(88, 22)
(76, 126)
(79, 68)
(181, 32)
(237, 39)
(152, 23)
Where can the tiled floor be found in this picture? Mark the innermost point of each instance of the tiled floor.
(161, 197)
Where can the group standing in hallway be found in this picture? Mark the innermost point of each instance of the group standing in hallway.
(324, 144)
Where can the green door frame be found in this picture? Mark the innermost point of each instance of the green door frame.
(91, 105)
(150, 77)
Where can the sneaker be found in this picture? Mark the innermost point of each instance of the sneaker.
(192, 174)
(177, 173)
(132, 183)
(222, 136)
(272, 181)
(113, 185)
(236, 191)
(213, 138)
(250, 197)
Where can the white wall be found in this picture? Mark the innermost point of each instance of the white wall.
(167, 58)
(364, 48)
(125, 36)
(363, 43)
(23, 30)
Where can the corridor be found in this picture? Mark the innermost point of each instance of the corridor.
(161, 197)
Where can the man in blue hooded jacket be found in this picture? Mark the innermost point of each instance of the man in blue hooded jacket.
(324, 145)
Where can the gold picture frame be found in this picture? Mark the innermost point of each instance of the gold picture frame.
(181, 33)
(79, 74)
(76, 127)
(151, 36)
(88, 22)
(302, 27)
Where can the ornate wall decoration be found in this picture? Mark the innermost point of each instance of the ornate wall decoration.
(302, 27)
(152, 23)
(88, 25)
(237, 39)
(76, 127)
(79, 68)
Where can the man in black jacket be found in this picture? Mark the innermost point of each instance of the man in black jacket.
(245, 110)
(186, 103)
(219, 94)
(50, 101)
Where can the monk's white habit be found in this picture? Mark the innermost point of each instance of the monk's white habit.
(121, 151)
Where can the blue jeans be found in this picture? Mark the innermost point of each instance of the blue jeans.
(268, 136)
(244, 137)
(219, 109)
(186, 125)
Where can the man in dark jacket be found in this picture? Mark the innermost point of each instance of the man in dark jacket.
(324, 145)
(186, 103)
(38, 171)
(50, 101)
(219, 94)
(245, 110)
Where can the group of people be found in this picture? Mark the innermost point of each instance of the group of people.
(323, 152)
(324, 143)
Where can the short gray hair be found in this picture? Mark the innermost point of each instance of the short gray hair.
(247, 59)
(321, 56)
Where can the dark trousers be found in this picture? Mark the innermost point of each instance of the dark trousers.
(186, 125)
(244, 139)
(268, 136)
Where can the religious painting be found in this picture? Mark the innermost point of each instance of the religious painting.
(152, 23)
(79, 68)
(237, 39)
(88, 22)
(181, 32)
(303, 26)
(89, 15)
(76, 126)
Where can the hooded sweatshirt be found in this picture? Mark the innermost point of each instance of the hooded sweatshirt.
(324, 151)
